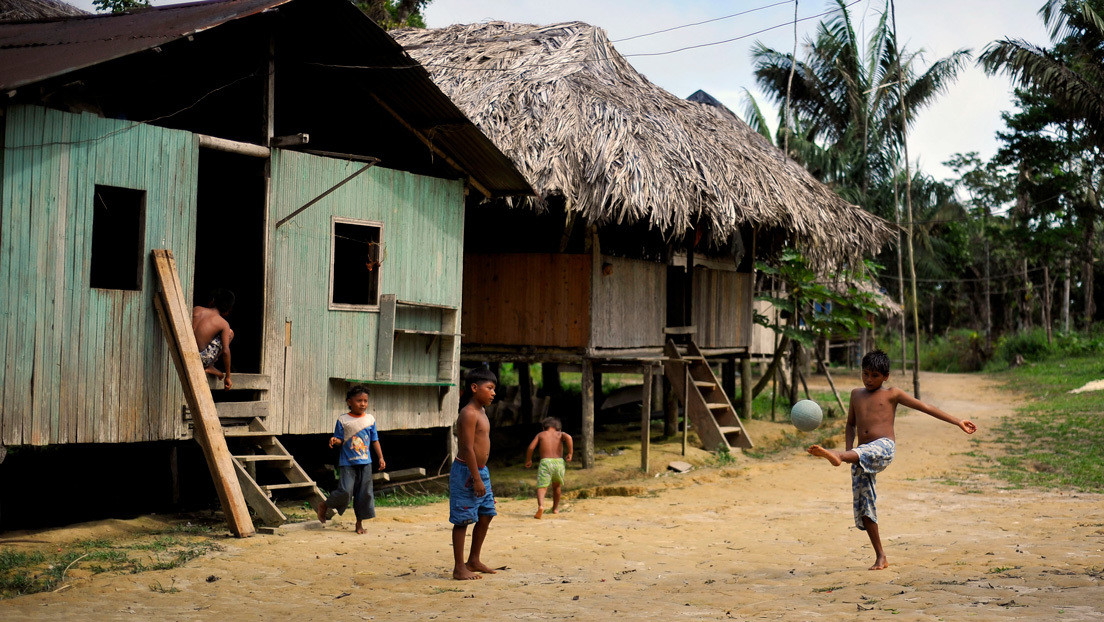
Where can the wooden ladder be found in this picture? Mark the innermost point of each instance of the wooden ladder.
(703, 399)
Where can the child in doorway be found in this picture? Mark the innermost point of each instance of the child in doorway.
(213, 334)
(871, 417)
(550, 471)
(470, 498)
(355, 432)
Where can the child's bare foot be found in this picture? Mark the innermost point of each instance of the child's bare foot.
(830, 456)
(540, 513)
(461, 573)
(880, 563)
(480, 567)
(360, 527)
(555, 510)
(321, 509)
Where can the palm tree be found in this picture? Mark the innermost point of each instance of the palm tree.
(848, 99)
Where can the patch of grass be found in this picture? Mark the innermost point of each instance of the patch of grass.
(397, 497)
(817, 590)
(38, 571)
(1000, 569)
(160, 589)
(724, 457)
(1056, 440)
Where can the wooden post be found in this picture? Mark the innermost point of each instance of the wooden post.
(646, 418)
(550, 379)
(670, 409)
(588, 413)
(176, 323)
(686, 384)
(728, 375)
(525, 388)
(745, 386)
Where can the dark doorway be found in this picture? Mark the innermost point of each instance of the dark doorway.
(230, 237)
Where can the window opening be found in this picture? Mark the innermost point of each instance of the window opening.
(357, 255)
(118, 238)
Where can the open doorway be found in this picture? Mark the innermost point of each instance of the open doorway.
(230, 236)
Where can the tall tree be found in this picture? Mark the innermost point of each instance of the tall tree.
(1071, 74)
(395, 13)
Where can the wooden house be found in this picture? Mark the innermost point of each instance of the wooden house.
(648, 213)
(288, 150)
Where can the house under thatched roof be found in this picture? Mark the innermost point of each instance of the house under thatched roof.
(581, 123)
(26, 10)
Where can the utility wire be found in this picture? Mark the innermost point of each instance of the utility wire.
(708, 21)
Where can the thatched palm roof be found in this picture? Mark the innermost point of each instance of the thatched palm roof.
(26, 10)
(580, 122)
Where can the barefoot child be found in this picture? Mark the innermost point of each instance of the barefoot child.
(550, 471)
(871, 417)
(213, 334)
(470, 497)
(355, 432)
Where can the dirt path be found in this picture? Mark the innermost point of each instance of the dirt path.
(765, 540)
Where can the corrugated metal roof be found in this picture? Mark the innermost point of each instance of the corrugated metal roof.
(336, 32)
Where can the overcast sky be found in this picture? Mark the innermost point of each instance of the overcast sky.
(964, 119)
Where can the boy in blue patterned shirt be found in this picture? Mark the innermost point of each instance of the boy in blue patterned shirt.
(355, 432)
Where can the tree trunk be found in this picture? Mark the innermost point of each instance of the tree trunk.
(1046, 303)
(1027, 297)
(769, 374)
(1087, 273)
(1066, 278)
(525, 390)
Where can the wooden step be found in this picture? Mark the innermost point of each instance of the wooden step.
(242, 410)
(705, 383)
(248, 382)
(246, 433)
(266, 458)
(718, 405)
(270, 487)
(730, 429)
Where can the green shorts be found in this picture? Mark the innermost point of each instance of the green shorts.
(550, 471)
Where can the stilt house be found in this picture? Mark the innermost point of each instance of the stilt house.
(288, 150)
(649, 212)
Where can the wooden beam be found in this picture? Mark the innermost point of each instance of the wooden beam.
(646, 419)
(176, 323)
(428, 143)
(745, 388)
(233, 146)
(588, 414)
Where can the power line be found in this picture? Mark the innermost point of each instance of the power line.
(708, 21)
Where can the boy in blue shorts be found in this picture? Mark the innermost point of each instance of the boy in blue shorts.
(870, 417)
(470, 498)
(550, 471)
(355, 432)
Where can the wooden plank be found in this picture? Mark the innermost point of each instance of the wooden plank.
(243, 382)
(745, 387)
(240, 410)
(208, 430)
(258, 499)
(385, 337)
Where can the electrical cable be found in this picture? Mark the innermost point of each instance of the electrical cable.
(708, 21)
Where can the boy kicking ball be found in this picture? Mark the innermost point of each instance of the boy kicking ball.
(871, 416)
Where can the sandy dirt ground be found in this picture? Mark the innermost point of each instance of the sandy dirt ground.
(769, 539)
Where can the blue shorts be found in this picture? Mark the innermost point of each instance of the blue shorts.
(874, 457)
(464, 507)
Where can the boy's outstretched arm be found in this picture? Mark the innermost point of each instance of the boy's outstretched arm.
(905, 399)
(529, 451)
(570, 445)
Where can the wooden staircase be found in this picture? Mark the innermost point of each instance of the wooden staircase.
(259, 456)
(703, 399)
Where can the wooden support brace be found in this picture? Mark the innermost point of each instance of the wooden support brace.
(176, 322)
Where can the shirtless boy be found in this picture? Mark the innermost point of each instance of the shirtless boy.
(213, 334)
(550, 471)
(871, 416)
(470, 497)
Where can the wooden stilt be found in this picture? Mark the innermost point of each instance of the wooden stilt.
(646, 418)
(745, 387)
(588, 413)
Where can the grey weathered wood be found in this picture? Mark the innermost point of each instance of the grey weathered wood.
(241, 410)
(246, 382)
(588, 413)
(258, 499)
(704, 401)
(385, 339)
(745, 387)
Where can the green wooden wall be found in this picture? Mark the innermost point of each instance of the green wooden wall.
(79, 364)
(423, 221)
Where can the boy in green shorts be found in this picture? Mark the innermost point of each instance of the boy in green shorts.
(550, 472)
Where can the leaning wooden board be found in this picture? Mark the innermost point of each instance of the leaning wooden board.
(176, 323)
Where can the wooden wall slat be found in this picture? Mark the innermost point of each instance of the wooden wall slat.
(722, 308)
(630, 307)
